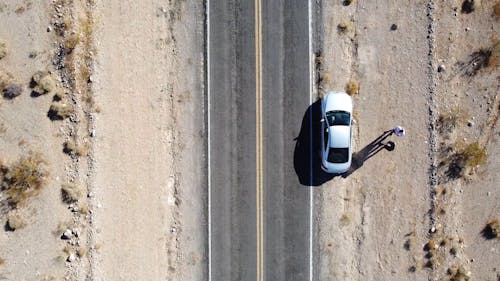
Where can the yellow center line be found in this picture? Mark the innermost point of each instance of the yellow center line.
(259, 141)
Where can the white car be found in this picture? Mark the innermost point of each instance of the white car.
(336, 132)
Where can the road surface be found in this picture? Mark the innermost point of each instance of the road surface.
(259, 92)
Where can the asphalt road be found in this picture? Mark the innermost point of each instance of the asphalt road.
(259, 97)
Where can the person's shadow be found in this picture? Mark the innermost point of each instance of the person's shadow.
(307, 153)
(359, 158)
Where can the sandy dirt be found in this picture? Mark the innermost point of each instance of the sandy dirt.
(375, 224)
(148, 77)
(133, 75)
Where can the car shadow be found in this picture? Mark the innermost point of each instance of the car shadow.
(307, 153)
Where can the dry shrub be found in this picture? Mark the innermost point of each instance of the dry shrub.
(3, 49)
(450, 120)
(484, 58)
(345, 220)
(42, 83)
(12, 90)
(430, 246)
(71, 148)
(2, 261)
(468, 6)
(22, 179)
(20, 10)
(60, 110)
(434, 260)
(496, 10)
(347, 2)
(352, 87)
(62, 227)
(84, 208)
(344, 26)
(458, 273)
(409, 243)
(15, 221)
(491, 230)
(494, 58)
(82, 252)
(465, 160)
(71, 41)
(433, 256)
(5, 79)
(71, 192)
(474, 155)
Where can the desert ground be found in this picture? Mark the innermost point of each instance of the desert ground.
(102, 143)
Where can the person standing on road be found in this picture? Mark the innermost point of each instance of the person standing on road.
(399, 131)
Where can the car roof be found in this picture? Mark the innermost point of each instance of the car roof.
(338, 101)
(339, 136)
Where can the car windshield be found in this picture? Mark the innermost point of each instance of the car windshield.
(337, 117)
(338, 155)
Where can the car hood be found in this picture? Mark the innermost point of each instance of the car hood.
(339, 136)
(338, 101)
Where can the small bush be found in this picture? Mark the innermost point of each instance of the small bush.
(71, 148)
(450, 120)
(84, 208)
(71, 192)
(42, 83)
(474, 155)
(434, 260)
(347, 2)
(496, 10)
(409, 243)
(2, 261)
(3, 49)
(464, 160)
(15, 221)
(22, 180)
(12, 91)
(71, 41)
(62, 227)
(345, 220)
(491, 230)
(81, 252)
(458, 273)
(494, 58)
(60, 110)
(352, 87)
(430, 246)
(468, 6)
(5, 79)
(344, 26)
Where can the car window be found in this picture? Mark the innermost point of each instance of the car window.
(338, 155)
(325, 137)
(340, 118)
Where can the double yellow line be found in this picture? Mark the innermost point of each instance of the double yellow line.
(258, 141)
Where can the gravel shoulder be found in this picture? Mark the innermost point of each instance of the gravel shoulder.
(148, 77)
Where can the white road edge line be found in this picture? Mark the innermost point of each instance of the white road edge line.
(209, 176)
(309, 16)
